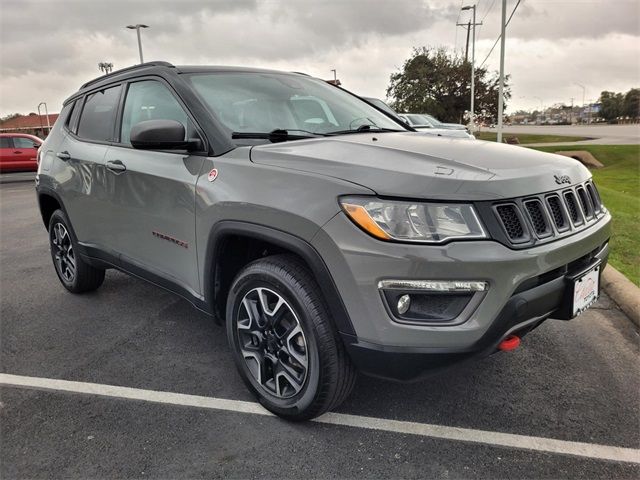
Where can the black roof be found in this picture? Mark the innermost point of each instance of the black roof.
(149, 67)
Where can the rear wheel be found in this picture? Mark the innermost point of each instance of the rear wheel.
(75, 274)
(283, 342)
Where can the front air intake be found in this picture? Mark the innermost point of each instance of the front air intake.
(512, 222)
(559, 218)
(572, 208)
(538, 217)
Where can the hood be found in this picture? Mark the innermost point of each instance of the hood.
(407, 164)
(443, 132)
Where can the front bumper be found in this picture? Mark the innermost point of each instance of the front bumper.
(525, 287)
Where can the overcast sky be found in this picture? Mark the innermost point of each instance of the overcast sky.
(48, 48)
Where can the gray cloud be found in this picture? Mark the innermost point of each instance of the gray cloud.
(48, 48)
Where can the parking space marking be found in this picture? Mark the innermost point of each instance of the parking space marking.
(509, 440)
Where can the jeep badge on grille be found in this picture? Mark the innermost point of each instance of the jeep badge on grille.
(560, 179)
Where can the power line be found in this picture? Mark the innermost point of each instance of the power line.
(485, 15)
(499, 36)
(489, 9)
(455, 49)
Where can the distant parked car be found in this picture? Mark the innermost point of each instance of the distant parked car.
(422, 124)
(18, 152)
(423, 127)
(438, 124)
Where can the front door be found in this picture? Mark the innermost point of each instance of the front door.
(25, 153)
(152, 193)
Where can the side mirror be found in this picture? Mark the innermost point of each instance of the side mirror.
(161, 135)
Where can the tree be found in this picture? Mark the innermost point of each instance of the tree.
(438, 82)
(9, 117)
(612, 104)
(631, 103)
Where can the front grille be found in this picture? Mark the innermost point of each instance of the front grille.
(559, 218)
(585, 202)
(595, 197)
(511, 221)
(547, 216)
(538, 217)
(572, 206)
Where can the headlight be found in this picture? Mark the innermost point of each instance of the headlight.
(413, 222)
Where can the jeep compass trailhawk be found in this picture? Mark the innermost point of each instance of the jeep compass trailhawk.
(326, 235)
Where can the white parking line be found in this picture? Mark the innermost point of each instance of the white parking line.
(524, 442)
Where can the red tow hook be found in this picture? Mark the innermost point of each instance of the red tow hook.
(510, 343)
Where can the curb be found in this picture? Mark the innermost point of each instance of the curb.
(17, 177)
(623, 292)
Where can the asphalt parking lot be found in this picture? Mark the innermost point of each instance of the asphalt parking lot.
(576, 382)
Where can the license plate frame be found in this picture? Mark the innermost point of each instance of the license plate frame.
(585, 289)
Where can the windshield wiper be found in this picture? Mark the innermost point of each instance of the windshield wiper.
(277, 135)
(365, 129)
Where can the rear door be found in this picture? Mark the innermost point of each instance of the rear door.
(152, 193)
(79, 167)
(6, 154)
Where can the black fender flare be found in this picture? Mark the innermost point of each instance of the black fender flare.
(287, 241)
(40, 190)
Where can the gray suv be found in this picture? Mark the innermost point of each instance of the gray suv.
(325, 235)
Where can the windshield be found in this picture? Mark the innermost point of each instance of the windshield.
(433, 120)
(418, 120)
(263, 102)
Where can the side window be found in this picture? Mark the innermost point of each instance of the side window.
(72, 120)
(5, 142)
(99, 114)
(151, 100)
(22, 142)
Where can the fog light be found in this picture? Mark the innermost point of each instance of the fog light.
(404, 302)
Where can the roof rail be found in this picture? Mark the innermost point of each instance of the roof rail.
(122, 70)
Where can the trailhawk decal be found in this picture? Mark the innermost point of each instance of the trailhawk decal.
(180, 243)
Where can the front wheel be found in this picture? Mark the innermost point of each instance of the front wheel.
(283, 341)
(74, 273)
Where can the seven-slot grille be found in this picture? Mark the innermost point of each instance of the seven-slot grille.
(549, 215)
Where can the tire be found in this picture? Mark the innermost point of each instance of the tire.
(75, 274)
(271, 340)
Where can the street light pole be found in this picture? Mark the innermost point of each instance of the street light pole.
(137, 28)
(501, 85)
(541, 107)
(473, 67)
(335, 75)
(583, 94)
(46, 112)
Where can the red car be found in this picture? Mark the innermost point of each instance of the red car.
(18, 152)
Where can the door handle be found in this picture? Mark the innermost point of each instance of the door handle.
(63, 155)
(116, 166)
(17, 151)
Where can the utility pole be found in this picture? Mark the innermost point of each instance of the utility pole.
(335, 75)
(501, 86)
(473, 60)
(466, 49)
(137, 28)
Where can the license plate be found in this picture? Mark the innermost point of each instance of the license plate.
(585, 290)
